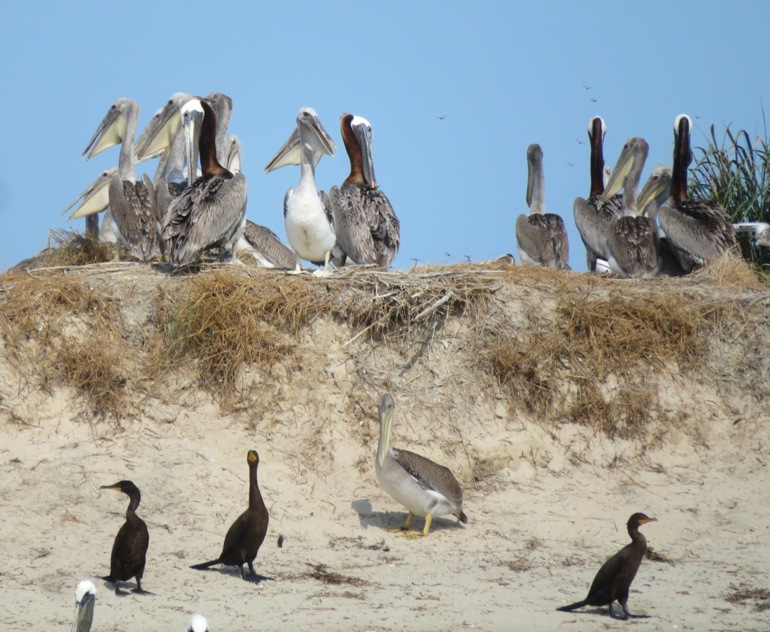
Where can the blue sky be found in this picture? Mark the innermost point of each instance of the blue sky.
(455, 92)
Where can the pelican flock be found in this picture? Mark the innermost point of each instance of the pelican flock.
(187, 213)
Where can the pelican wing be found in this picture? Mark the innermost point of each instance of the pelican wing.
(633, 244)
(206, 215)
(430, 475)
(543, 237)
(697, 228)
(133, 210)
(269, 246)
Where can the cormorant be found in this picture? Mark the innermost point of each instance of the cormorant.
(129, 552)
(246, 534)
(614, 578)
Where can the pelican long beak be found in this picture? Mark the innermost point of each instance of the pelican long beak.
(363, 133)
(111, 131)
(84, 613)
(233, 154)
(651, 190)
(619, 174)
(96, 196)
(315, 133)
(386, 410)
(288, 154)
(192, 122)
(162, 129)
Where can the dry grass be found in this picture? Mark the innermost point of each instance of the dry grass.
(731, 273)
(563, 369)
(69, 333)
(761, 597)
(66, 249)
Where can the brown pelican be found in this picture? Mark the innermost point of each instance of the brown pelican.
(265, 247)
(541, 238)
(223, 106)
(132, 203)
(425, 488)
(368, 231)
(85, 598)
(198, 623)
(696, 229)
(309, 228)
(653, 195)
(591, 218)
(632, 239)
(210, 211)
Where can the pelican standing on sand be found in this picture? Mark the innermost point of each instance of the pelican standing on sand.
(133, 210)
(697, 229)
(632, 240)
(85, 598)
(592, 218)
(368, 231)
(541, 238)
(309, 228)
(210, 211)
(425, 488)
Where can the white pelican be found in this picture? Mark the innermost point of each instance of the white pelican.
(309, 228)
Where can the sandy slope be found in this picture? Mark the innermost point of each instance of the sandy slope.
(539, 526)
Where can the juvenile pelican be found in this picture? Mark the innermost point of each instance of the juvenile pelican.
(309, 228)
(132, 202)
(232, 157)
(541, 238)
(614, 578)
(129, 551)
(210, 211)
(653, 195)
(85, 598)
(592, 218)
(697, 229)
(198, 623)
(368, 231)
(632, 240)
(263, 246)
(425, 488)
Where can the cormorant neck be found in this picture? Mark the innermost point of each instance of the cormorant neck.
(255, 496)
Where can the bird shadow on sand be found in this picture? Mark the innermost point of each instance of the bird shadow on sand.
(602, 611)
(233, 571)
(121, 592)
(390, 520)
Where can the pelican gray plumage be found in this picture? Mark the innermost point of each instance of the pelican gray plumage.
(85, 598)
(653, 195)
(133, 210)
(265, 248)
(367, 229)
(632, 240)
(210, 211)
(309, 228)
(198, 623)
(592, 218)
(697, 229)
(425, 488)
(541, 238)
